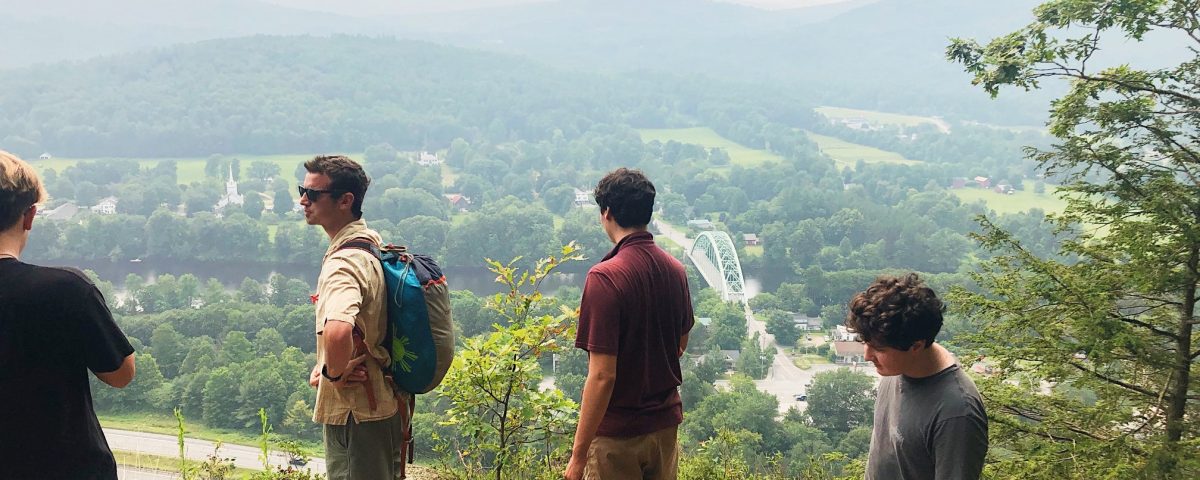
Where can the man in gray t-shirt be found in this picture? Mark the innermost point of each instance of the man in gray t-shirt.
(929, 418)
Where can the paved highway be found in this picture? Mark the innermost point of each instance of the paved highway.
(168, 446)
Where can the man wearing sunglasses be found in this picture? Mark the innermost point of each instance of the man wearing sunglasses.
(360, 414)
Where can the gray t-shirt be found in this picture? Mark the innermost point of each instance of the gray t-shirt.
(931, 428)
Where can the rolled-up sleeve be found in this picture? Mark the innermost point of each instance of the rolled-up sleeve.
(341, 295)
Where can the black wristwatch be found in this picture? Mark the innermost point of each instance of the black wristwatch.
(325, 373)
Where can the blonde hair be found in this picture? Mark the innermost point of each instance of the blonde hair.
(20, 188)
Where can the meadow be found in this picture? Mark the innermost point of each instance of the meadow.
(883, 118)
(740, 154)
(847, 154)
(1018, 201)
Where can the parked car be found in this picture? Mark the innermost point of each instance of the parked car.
(800, 397)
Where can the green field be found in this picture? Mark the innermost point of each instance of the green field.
(188, 169)
(847, 154)
(448, 176)
(740, 154)
(1019, 201)
(870, 116)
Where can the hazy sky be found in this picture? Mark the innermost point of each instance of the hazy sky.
(386, 7)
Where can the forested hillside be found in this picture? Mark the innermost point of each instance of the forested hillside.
(304, 94)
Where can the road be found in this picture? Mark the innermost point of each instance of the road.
(680, 238)
(168, 446)
(784, 379)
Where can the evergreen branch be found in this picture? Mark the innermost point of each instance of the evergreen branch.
(1156, 410)
(1147, 326)
(1126, 385)
(1162, 302)
(1041, 419)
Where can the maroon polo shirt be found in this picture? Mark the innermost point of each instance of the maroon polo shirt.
(636, 306)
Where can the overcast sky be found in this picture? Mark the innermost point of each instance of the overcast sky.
(384, 7)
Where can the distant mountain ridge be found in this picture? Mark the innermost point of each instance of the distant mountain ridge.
(875, 54)
(290, 94)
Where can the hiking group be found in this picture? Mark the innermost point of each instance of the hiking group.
(634, 319)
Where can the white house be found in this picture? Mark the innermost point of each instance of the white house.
(45, 156)
(843, 334)
(107, 206)
(426, 159)
(582, 198)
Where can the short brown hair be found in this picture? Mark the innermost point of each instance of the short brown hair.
(20, 188)
(896, 311)
(345, 175)
(628, 195)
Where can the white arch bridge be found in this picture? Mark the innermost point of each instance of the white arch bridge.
(714, 255)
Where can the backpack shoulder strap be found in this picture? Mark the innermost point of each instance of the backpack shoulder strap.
(362, 244)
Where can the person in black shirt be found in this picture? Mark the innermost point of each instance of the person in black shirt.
(930, 422)
(54, 328)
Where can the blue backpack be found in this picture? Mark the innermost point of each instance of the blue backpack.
(420, 329)
(420, 326)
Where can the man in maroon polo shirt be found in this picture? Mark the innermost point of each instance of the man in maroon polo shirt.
(633, 322)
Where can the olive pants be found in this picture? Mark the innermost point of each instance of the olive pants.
(365, 451)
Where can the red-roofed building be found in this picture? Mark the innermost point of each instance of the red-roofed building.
(458, 201)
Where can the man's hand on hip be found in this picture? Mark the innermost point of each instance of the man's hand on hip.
(355, 372)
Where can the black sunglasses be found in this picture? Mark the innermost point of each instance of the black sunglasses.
(314, 194)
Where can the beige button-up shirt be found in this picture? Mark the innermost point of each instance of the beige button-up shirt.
(351, 289)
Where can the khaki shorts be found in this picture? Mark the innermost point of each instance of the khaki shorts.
(653, 456)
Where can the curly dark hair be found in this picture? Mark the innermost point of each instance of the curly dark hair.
(345, 175)
(628, 195)
(896, 311)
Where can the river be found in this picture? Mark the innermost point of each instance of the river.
(479, 281)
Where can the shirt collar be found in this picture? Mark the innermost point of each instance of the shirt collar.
(634, 238)
(355, 229)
